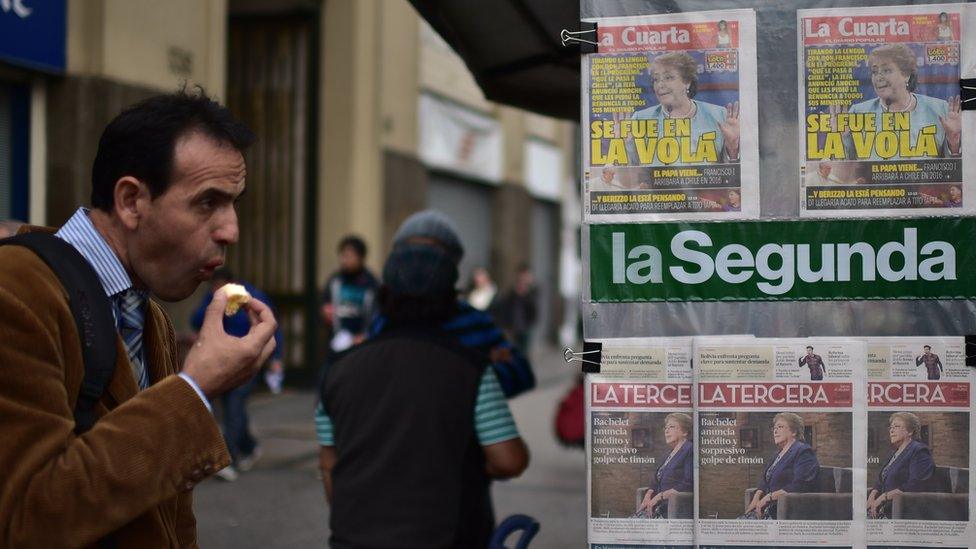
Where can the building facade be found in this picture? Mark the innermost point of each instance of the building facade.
(363, 115)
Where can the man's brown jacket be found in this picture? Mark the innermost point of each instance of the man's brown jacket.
(131, 475)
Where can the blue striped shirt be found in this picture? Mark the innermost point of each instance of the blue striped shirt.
(493, 422)
(82, 235)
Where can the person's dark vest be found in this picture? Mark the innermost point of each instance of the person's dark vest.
(410, 471)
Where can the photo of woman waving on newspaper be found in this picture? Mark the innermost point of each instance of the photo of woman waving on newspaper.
(671, 118)
(674, 81)
(935, 125)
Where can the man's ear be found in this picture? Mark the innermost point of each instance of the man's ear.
(129, 194)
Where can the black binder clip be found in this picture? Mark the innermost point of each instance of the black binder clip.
(971, 351)
(967, 94)
(589, 359)
(587, 44)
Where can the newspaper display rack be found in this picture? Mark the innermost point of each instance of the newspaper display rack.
(845, 417)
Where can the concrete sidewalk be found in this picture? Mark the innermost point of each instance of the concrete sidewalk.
(280, 502)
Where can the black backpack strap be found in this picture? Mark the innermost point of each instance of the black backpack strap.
(92, 312)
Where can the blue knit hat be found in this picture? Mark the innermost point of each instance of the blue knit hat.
(433, 225)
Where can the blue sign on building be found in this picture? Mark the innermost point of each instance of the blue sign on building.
(32, 33)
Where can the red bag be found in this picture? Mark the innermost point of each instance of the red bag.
(570, 422)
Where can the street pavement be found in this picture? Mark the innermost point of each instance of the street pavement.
(280, 503)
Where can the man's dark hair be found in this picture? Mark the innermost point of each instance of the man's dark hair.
(929, 347)
(810, 347)
(141, 141)
(352, 241)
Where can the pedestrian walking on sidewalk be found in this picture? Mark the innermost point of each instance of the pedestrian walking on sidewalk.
(349, 299)
(517, 310)
(243, 447)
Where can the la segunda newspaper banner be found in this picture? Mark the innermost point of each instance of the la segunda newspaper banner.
(670, 111)
(919, 442)
(639, 443)
(778, 439)
(783, 260)
(882, 132)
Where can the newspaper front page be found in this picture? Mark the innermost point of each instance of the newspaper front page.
(670, 117)
(639, 445)
(778, 441)
(881, 125)
(919, 443)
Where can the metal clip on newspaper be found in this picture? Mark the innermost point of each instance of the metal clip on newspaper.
(967, 92)
(589, 359)
(585, 45)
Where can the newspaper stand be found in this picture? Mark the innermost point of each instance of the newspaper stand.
(844, 253)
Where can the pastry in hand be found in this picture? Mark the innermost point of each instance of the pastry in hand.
(236, 296)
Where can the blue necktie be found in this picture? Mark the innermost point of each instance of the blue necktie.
(132, 318)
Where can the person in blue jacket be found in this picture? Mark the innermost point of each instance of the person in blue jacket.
(793, 469)
(909, 468)
(677, 470)
(243, 447)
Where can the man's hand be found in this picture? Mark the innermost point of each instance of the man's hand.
(219, 362)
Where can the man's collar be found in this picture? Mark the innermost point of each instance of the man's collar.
(80, 232)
